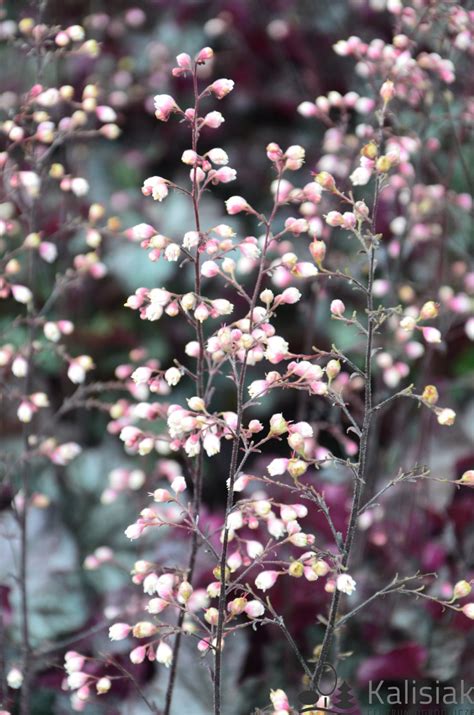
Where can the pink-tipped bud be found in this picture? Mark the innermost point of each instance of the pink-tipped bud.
(468, 610)
(164, 106)
(183, 61)
(119, 631)
(290, 296)
(162, 495)
(213, 120)
(431, 335)
(207, 53)
(337, 307)
(254, 609)
(274, 151)
(387, 91)
(325, 180)
(334, 218)
(236, 204)
(221, 87)
(318, 251)
(266, 579)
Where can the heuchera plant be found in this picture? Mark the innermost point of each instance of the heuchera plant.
(240, 285)
(321, 228)
(39, 267)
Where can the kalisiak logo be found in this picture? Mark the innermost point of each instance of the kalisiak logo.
(342, 700)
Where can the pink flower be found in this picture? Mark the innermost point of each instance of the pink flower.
(345, 583)
(141, 375)
(387, 91)
(279, 700)
(277, 466)
(164, 106)
(213, 120)
(431, 335)
(236, 204)
(221, 87)
(119, 631)
(203, 645)
(348, 220)
(468, 610)
(337, 307)
(21, 294)
(218, 156)
(156, 606)
(211, 444)
(184, 61)
(155, 186)
(334, 218)
(254, 609)
(361, 176)
(137, 655)
(294, 156)
(209, 269)
(290, 296)
(162, 495)
(224, 175)
(48, 251)
(307, 109)
(296, 225)
(266, 579)
(178, 485)
(207, 53)
(164, 654)
(277, 349)
(141, 231)
(189, 157)
(73, 662)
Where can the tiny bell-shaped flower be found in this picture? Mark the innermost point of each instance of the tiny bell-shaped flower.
(430, 395)
(254, 609)
(296, 569)
(468, 478)
(221, 87)
(429, 310)
(266, 579)
(318, 251)
(461, 589)
(236, 204)
(15, 678)
(387, 91)
(337, 307)
(207, 53)
(345, 584)
(278, 424)
(446, 417)
(103, 686)
(333, 368)
(119, 631)
(325, 180)
(164, 106)
(468, 610)
(164, 654)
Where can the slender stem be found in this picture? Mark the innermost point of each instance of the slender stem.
(360, 476)
(151, 707)
(358, 481)
(198, 471)
(233, 470)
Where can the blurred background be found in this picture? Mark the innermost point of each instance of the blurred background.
(279, 53)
